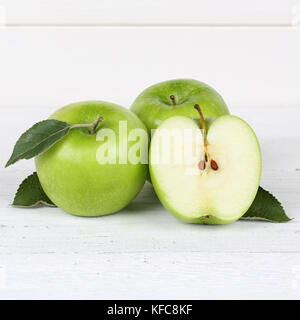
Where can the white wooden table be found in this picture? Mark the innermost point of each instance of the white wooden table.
(143, 252)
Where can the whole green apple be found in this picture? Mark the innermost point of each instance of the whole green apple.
(73, 172)
(177, 98)
(205, 175)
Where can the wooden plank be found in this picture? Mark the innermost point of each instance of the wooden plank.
(146, 12)
(157, 275)
(47, 67)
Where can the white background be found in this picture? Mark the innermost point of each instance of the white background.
(56, 52)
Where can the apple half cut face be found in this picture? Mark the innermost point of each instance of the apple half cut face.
(205, 181)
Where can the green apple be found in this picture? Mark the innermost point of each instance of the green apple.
(208, 176)
(73, 176)
(174, 98)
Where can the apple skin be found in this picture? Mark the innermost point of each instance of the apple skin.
(154, 105)
(70, 174)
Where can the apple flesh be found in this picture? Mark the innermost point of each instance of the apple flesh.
(177, 97)
(72, 177)
(214, 195)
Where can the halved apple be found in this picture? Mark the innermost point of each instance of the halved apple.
(205, 176)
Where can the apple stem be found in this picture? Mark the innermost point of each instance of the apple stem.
(197, 107)
(213, 163)
(95, 125)
(89, 125)
(172, 97)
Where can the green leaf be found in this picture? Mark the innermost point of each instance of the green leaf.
(266, 207)
(38, 139)
(31, 193)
